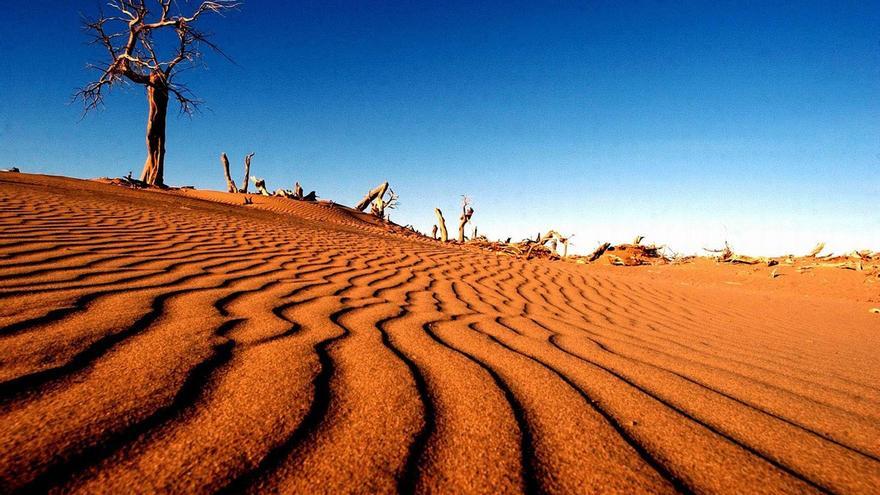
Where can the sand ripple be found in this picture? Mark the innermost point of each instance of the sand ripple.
(185, 343)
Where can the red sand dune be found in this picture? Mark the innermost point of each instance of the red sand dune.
(182, 342)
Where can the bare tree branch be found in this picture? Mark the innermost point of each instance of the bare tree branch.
(189, 104)
(128, 40)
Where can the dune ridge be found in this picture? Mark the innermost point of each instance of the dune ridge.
(182, 342)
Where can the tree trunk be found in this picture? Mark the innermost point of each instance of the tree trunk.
(154, 167)
(442, 223)
(466, 212)
(230, 184)
(247, 173)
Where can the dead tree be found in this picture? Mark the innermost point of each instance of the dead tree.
(434, 232)
(442, 223)
(247, 172)
(380, 204)
(466, 213)
(376, 192)
(129, 39)
(230, 184)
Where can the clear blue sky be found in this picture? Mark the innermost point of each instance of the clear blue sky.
(689, 122)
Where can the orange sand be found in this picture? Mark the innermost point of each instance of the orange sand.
(182, 342)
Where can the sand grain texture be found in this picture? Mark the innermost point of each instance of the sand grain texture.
(182, 342)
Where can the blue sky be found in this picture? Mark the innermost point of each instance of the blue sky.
(688, 122)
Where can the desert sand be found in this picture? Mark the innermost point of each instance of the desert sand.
(179, 341)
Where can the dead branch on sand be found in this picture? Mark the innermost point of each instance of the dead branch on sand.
(260, 184)
(860, 261)
(599, 252)
(816, 250)
(514, 249)
(635, 254)
(371, 196)
(727, 255)
(527, 248)
(856, 260)
(553, 237)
